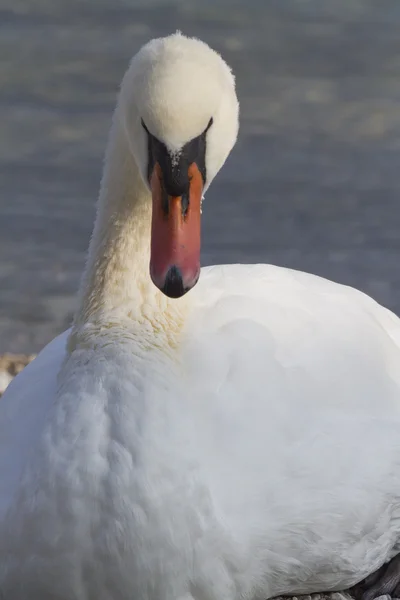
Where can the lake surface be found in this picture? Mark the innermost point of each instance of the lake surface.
(313, 182)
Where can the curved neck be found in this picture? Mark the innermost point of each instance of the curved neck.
(116, 287)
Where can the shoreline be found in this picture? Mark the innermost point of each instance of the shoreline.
(10, 366)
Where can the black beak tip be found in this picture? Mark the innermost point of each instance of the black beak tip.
(173, 285)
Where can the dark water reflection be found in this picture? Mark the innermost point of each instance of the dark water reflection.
(313, 182)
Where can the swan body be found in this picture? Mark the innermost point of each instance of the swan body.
(239, 441)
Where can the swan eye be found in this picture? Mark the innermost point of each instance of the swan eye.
(210, 122)
(144, 126)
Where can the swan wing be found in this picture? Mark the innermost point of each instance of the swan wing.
(23, 411)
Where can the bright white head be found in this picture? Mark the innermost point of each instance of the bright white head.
(180, 114)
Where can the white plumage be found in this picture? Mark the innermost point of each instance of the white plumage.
(240, 442)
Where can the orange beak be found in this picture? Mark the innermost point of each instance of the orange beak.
(175, 234)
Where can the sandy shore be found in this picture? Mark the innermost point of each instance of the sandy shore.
(10, 366)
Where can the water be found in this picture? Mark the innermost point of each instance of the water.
(313, 182)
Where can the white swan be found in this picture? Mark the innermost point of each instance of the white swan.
(242, 441)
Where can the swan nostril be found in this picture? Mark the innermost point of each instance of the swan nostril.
(165, 199)
(184, 204)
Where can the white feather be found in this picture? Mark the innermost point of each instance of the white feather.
(242, 442)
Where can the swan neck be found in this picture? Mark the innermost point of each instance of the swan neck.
(116, 284)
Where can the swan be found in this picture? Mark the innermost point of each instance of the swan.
(239, 441)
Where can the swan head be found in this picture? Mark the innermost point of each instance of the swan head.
(180, 114)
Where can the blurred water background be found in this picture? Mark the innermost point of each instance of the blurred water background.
(313, 182)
